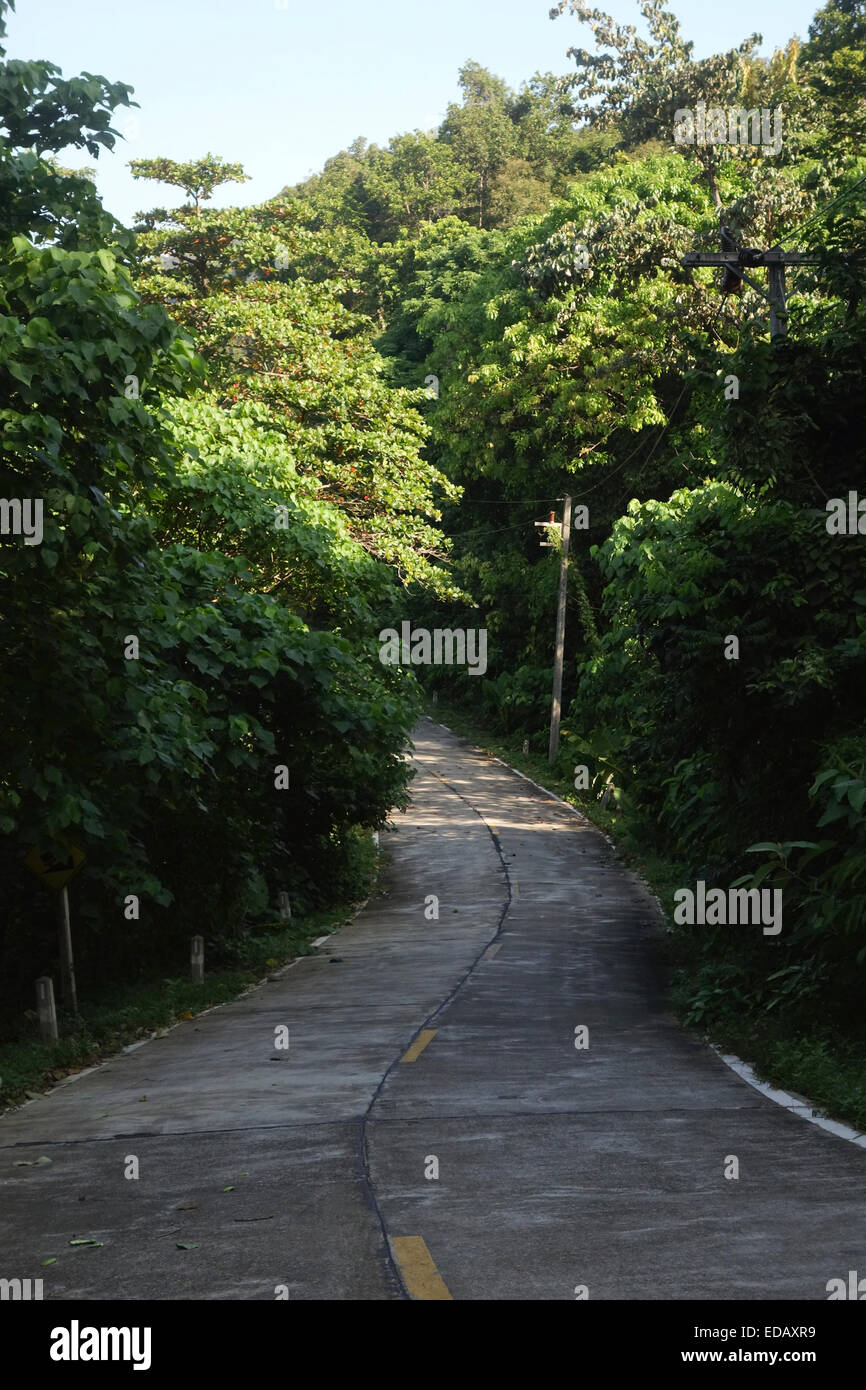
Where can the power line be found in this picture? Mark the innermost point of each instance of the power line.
(482, 530)
(520, 502)
(846, 192)
(618, 467)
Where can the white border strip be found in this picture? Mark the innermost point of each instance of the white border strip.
(801, 1106)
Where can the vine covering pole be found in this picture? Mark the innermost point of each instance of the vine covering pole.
(556, 708)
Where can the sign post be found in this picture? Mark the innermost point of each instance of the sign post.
(68, 991)
(54, 870)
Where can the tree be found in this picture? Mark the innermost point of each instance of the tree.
(417, 179)
(639, 86)
(166, 641)
(516, 192)
(198, 178)
(42, 113)
(284, 352)
(479, 131)
(834, 64)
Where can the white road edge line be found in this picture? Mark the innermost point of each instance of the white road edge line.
(803, 1108)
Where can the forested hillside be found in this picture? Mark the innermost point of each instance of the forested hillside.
(528, 257)
(265, 435)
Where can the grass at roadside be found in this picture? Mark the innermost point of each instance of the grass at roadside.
(814, 1062)
(124, 1014)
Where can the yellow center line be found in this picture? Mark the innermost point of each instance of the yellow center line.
(424, 1037)
(419, 1273)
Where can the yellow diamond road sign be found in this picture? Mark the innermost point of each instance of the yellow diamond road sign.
(55, 866)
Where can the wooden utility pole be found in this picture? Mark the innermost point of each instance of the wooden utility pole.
(736, 261)
(778, 292)
(556, 707)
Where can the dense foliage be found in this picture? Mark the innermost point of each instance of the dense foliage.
(575, 354)
(228, 415)
(191, 687)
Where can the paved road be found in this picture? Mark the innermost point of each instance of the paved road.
(417, 1043)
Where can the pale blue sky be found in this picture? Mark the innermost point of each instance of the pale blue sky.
(281, 89)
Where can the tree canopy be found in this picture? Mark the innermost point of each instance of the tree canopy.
(260, 435)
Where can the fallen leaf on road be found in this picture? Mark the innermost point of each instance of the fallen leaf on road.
(50, 1262)
(185, 1245)
(193, 1206)
(96, 1244)
(228, 1189)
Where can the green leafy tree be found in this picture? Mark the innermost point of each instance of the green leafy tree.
(285, 353)
(417, 179)
(638, 86)
(480, 131)
(167, 645)
(198, 178)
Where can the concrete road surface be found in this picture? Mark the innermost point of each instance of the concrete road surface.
(432, 1130)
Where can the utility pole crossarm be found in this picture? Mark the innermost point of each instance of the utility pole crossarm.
(736, 259)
